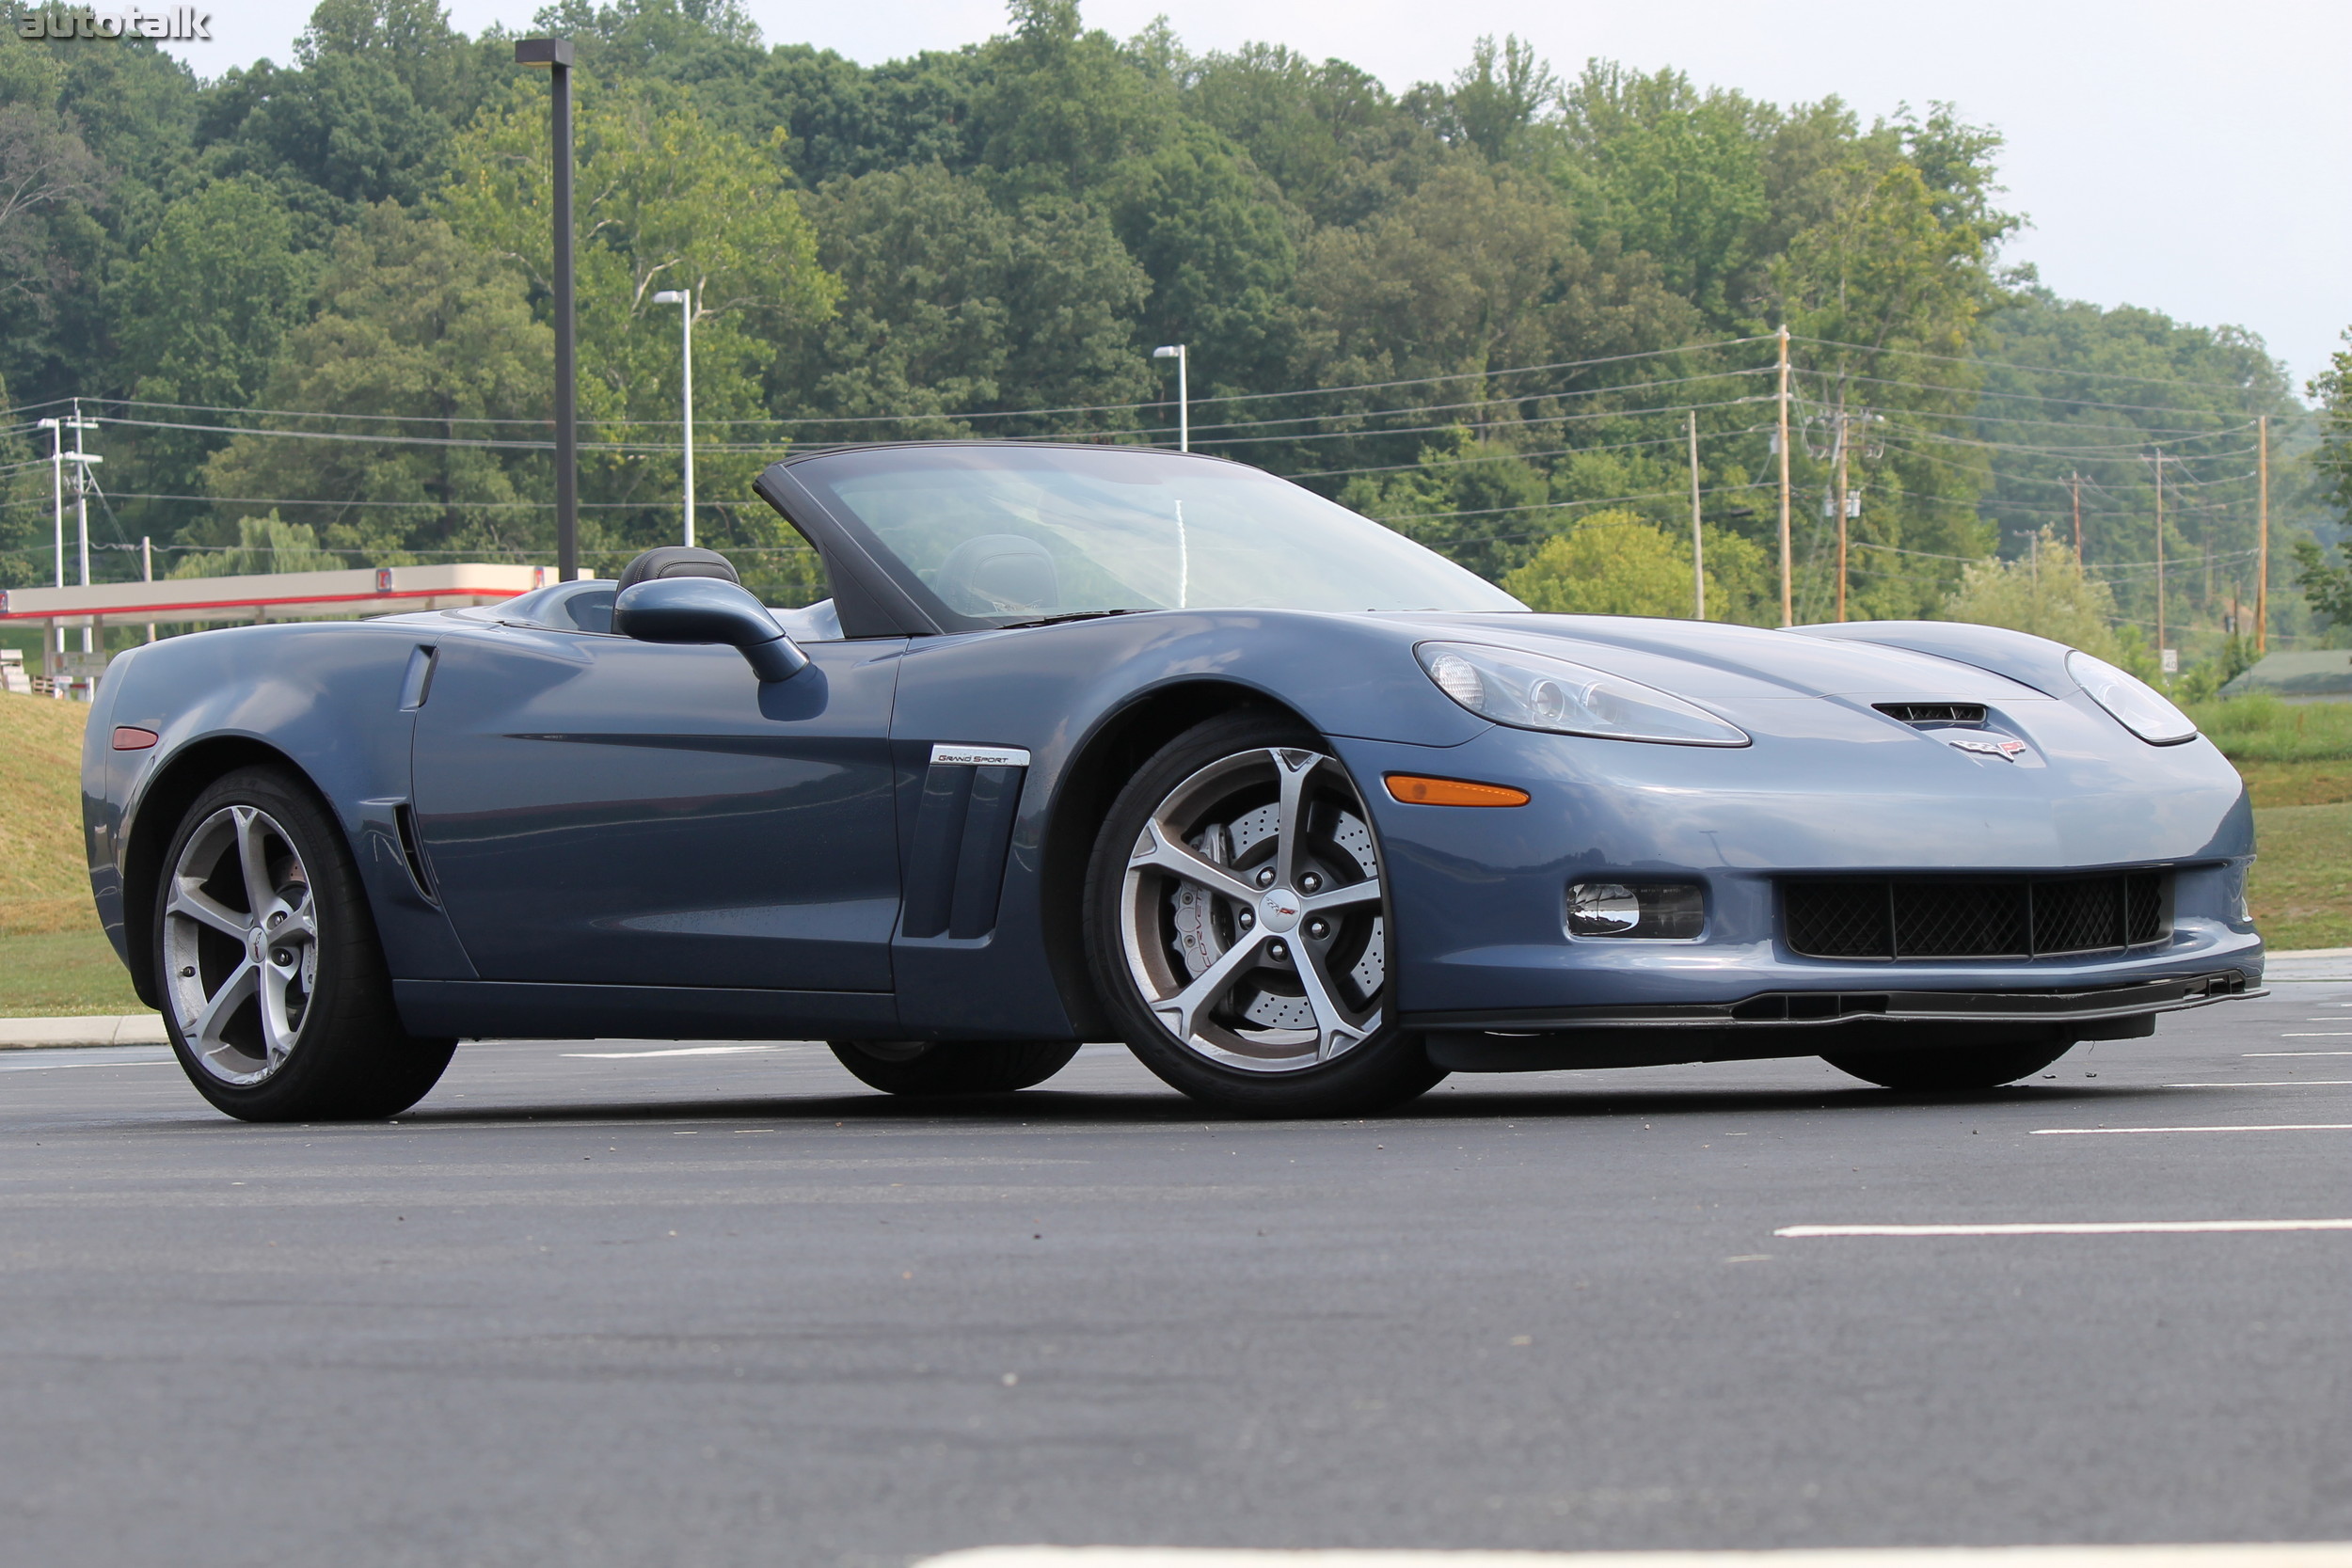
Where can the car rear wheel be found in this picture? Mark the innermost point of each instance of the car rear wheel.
(1949, 1068)
(276, 997)
(953, 1066)
(1237, 927)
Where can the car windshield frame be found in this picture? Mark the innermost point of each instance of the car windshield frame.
(1057, 482)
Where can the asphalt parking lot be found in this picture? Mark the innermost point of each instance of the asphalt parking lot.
(639, 1303)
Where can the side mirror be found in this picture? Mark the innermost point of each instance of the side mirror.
(709, 610)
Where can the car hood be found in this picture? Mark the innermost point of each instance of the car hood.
(1733, 665)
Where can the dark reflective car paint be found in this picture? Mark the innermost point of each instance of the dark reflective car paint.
(599, 811)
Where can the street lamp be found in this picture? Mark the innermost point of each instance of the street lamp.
(1183, 392)
(554, 57)
(684, 300)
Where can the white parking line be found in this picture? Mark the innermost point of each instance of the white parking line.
(2296, 1053)
(2272, 1084)
(2317, 1034)
(2280, 1127)
(2300, 1554)
(681, 1050)
(2066, 1228)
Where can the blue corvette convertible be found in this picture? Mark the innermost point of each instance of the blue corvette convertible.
(1096, 742)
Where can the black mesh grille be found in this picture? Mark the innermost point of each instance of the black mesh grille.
(1840, 920)
(1961, 920)
(2010, 918)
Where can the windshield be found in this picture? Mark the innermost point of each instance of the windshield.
(1001, 535)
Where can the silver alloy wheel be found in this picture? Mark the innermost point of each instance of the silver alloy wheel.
(241, 945)
(1250, 913)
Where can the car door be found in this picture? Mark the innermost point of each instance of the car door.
(596, 810)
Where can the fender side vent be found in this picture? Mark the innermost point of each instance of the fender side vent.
(412, 850)
(1933, 715)
(956, 864)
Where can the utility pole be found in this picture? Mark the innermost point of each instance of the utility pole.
(1841, 507)
(2161, 644)
(1788, 593)
(684, 299)
(56, 514)
(554, 57)
(2075, 483)
(1698, 540)
(147, 572)
(2261, 551)
(1181, 353)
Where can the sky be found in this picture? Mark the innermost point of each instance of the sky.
(2185, 155)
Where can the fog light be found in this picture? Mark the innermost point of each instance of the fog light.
(1664, 912)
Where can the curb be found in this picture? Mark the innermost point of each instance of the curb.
(29, 1034)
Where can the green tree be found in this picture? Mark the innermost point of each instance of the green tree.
(1619, 563)
(666, 201)
(264, 544)
(2044, 592)
(204, 309)
(421, 336)
(953, 303)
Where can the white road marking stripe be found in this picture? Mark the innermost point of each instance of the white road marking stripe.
(682, 1051)
(2279, 1127)
(2066, 1228)
(2272, 1084)
(2300, 1554)
(51, 1067)
(2296, 1053)
(2317, 1034)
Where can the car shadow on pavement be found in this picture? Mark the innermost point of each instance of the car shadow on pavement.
(1076, 1107)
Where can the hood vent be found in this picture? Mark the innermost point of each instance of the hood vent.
(1931, 715)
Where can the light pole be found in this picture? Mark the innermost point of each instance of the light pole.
(59, 458)
(1183, 391)
(684, 300)
(554, 57)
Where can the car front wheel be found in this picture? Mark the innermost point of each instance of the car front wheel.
(1237, 927)
(276, 997)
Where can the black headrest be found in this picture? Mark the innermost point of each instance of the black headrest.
(677, 560)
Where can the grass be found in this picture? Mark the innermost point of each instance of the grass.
(2301, 889)
(55, 963)
(44, 879)
(63, 974)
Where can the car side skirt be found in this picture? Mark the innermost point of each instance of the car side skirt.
(516, 1009)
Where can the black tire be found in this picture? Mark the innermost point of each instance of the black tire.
(1292, 1021)
(293, 1020)
(1949, 1070)
(953, 1066)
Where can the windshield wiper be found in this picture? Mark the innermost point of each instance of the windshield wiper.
(1074, 615)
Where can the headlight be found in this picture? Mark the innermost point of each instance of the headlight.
(2137, 705)
(1533, 691)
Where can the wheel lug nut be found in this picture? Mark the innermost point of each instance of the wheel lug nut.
(1248, 920)
(1318, 929)
(1310, 882)
(1265, 876)
(1278, 950)
(281, 956)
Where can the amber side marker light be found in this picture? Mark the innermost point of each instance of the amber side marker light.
(1414, 790)
(129, 738)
